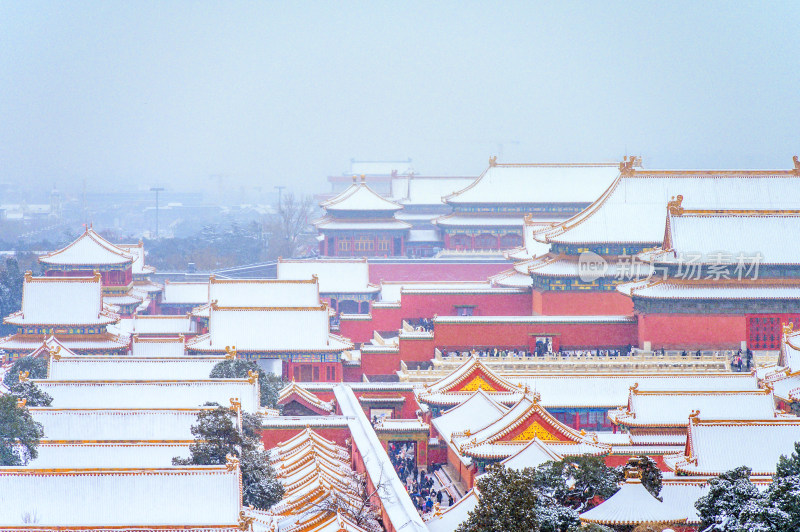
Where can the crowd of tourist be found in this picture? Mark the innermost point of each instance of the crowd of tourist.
(421, 324)
(418, 482)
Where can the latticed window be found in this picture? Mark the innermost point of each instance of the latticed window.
(510, 240)
(486, 241)
(460, 241)
(344, 245)
(363, 244)
(383, 245)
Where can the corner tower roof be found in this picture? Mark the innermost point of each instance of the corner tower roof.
(89, 249)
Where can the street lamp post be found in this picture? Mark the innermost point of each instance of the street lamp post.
(156, 190)
(280, 191)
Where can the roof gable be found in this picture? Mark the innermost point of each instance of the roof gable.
(359, 197)
(89, 249)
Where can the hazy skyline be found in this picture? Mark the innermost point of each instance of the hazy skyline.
(287, 93)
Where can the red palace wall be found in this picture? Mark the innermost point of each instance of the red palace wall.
(570, 335)
(427, 305)
(575, 303)
(692, 331)
(429, 271)
(615, 460)
(408, 410)
(381, 363)
(416, 350)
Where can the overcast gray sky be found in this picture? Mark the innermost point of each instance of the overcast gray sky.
(287, 92)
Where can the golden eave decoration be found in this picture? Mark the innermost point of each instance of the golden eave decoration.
(252, 376)
(231, 462)
(245, 522)
(674, 206)
(23, 376)
(236, 404)
(230, 352)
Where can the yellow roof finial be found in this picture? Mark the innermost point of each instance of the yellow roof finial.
(796, 161)
(493, 161)
(674, 206)
(363, 178)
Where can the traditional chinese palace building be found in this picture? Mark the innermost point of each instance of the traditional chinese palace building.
(719, 283)
(125, 277)
(488, 214)
(69, 308)
(359, 222)
(280, 323)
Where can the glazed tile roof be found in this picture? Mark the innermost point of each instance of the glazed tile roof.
(185, 293)
(264, 292)
(537, 183)
(359, 197)
(673, 408)
(706, 289)
(62, 301)
(336, 276)
(198, 496)
(161, 346)
(150, 394)
(634, 208)
(472, 414)
(108, 454)
(714, 447)
(633, 504)
(137, 252)
(90, 249)
(278, 329)
(294, 391)
(100, 424)
(534, 454)
(449, 519)
(87, 368)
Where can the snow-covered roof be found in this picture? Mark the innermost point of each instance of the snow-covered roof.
(531, 247)
(185, 293)
(600, 390)
(104, 424)
(534, 454)
(633, 504)
(634, 208)
(180, 496)
(657, 288)
(511, 278)
(470, 376)
(295, 392)
(448, 520)
(137, 252)
(474, 413)
(714, 447)
(359, 197)
(538, 183)
(108, 454)
(62, 301)
(393, 290)
(673, 408)
(423, 190)
(158, 324)
(151, 394)
(160, 346)
(112, 367)
(717, 237)
(462, 220)
(90, 249)
(264, 330)
(336, 276)
(302, 292)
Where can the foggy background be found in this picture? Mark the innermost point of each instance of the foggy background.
(187, 95)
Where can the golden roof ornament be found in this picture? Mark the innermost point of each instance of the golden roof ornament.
(230, 352)
(28, 276)
(492, 161)
(363, 178)
(97, 276)
(231, 462)
(245, 521)
(54, 352)
(537, 397)
(22, 402)
(788, 328)
(252, 376)
(23, 376)
(236, 404)
(627, 165)
(633, 387)
(674, 206)
(796, 162)
(695, 415)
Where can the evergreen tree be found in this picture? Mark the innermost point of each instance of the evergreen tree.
(36, 368)
(727, 497)
(11, 279)
(217, 435)
(577, 482)
(19, 433)
(650, 473)
(32, 394)
(269, 383)
(510, 502)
